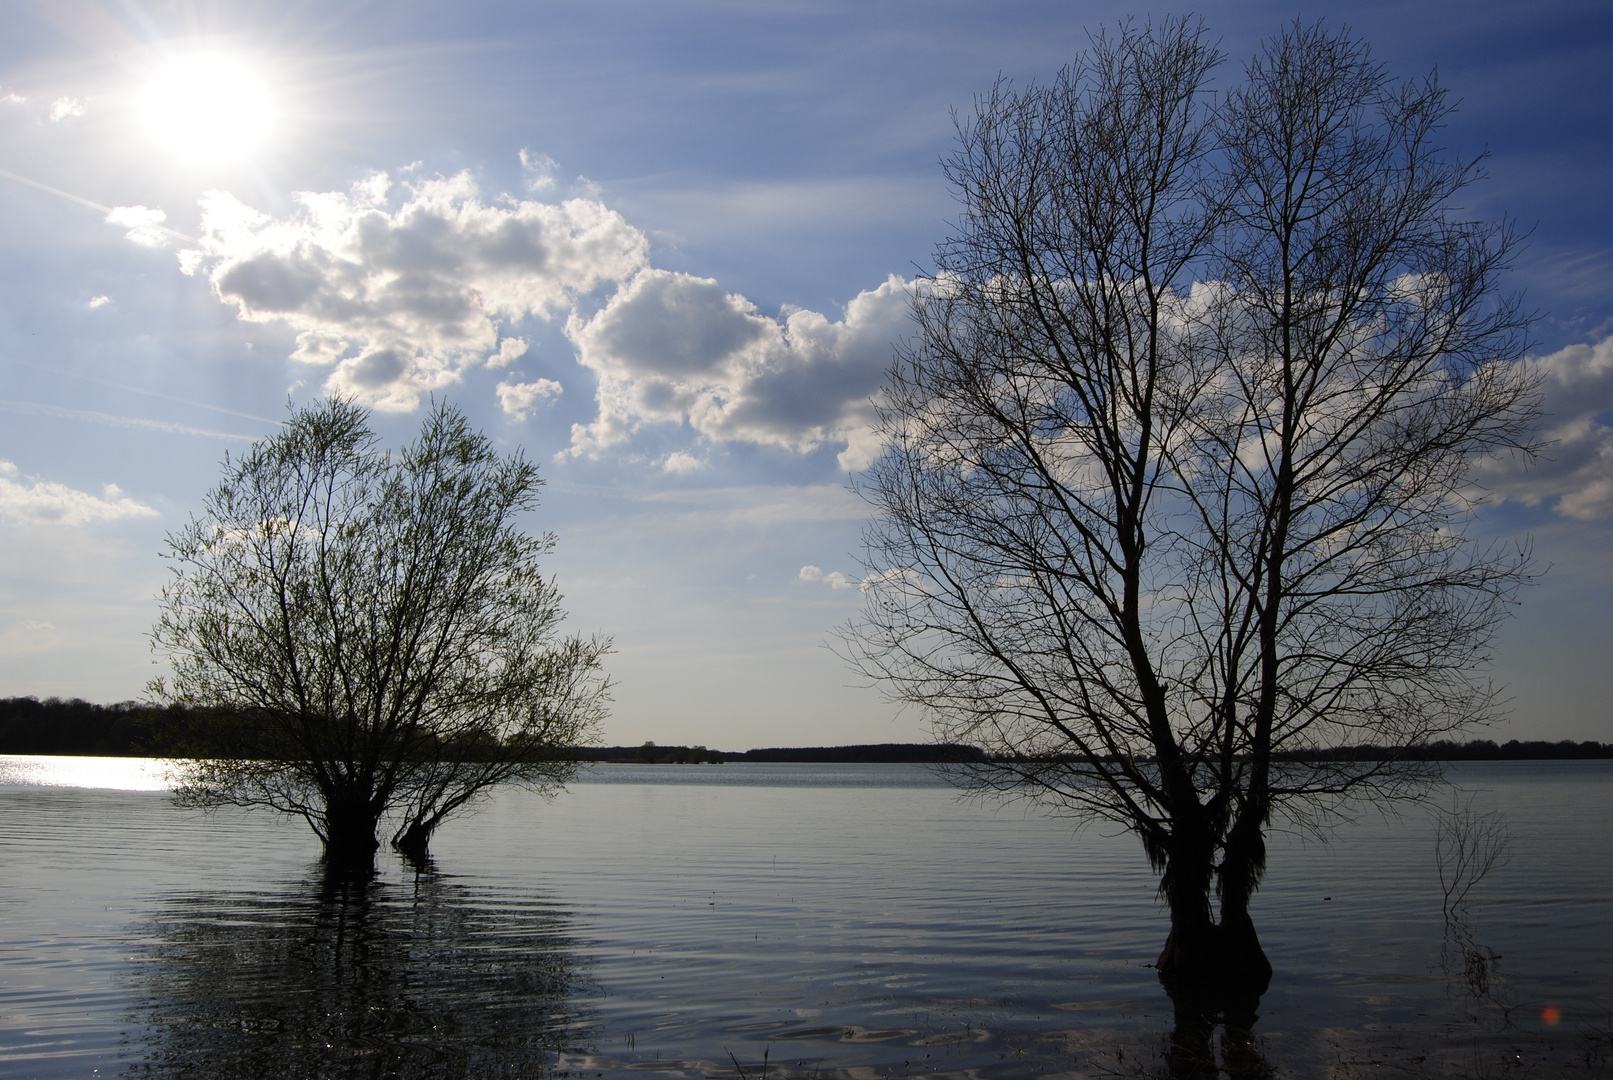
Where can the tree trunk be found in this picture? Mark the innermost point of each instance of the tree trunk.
(1245, 968)
(412, 842)
(1219, 968)
(1191, 957)
(350, 843)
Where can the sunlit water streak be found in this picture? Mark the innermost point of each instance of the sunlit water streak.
(846, 920)
(114, 773)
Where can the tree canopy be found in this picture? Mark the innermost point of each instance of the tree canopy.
(369, 635)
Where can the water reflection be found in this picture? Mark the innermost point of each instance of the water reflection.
(360, 978)
(1468, 845)
(1191, 1048)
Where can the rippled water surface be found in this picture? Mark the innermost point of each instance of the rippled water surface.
(851, 921)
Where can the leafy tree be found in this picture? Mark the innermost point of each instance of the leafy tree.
(373, 632)
(1176, 468)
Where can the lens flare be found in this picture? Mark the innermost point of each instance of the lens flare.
(208, 107)
(1551, 1016)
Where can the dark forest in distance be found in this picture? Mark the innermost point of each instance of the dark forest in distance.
(132, 729)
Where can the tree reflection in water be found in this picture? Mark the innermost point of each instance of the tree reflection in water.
(1191, 1052)
(356, 978)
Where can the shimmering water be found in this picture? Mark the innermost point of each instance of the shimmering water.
(845, 921)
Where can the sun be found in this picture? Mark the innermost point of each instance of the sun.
(208, 108)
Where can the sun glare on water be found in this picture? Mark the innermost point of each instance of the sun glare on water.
(208, 108)
(117, 773)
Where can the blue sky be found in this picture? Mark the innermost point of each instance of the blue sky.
(654, 246)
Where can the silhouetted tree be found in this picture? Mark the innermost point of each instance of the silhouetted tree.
(1176, 467)
(372, 631)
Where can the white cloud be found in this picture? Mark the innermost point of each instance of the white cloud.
(834, 578)
(13, 98)
(517, 399)
(99, 301)
(64, 107)
(36, 502)
(673, 348)
(399, 287)
(681, 464)
(1575, 471)
(909, 580)
(510, 350)
(538, 170)
(143, 222)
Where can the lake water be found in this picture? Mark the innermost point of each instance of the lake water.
(844, 921)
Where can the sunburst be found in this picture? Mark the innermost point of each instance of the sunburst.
(209, 108)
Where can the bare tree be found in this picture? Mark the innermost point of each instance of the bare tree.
(369, 634)
(1175, 480)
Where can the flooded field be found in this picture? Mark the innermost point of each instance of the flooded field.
(802, 920)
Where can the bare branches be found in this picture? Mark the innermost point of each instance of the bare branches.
(1175, 462)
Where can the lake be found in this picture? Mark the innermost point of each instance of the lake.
(743, 920)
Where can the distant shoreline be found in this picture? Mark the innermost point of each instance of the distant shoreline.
(73, 727)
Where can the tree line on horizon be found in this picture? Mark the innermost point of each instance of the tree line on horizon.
(76, 727)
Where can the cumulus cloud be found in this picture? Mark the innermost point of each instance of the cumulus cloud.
(517, 399)
(398, 287)
(510, 350)
(143, 222)
(37, 502)
(64, 107)
(681, 464)
(834, 578)
(671, 347)
(1575, 473)
(99, 301)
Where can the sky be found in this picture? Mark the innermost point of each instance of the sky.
(661, 248)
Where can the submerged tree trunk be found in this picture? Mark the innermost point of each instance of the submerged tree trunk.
(1220, 967)
(1245, 968)
(1190, 958)
(350, 842)
(413, 841)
